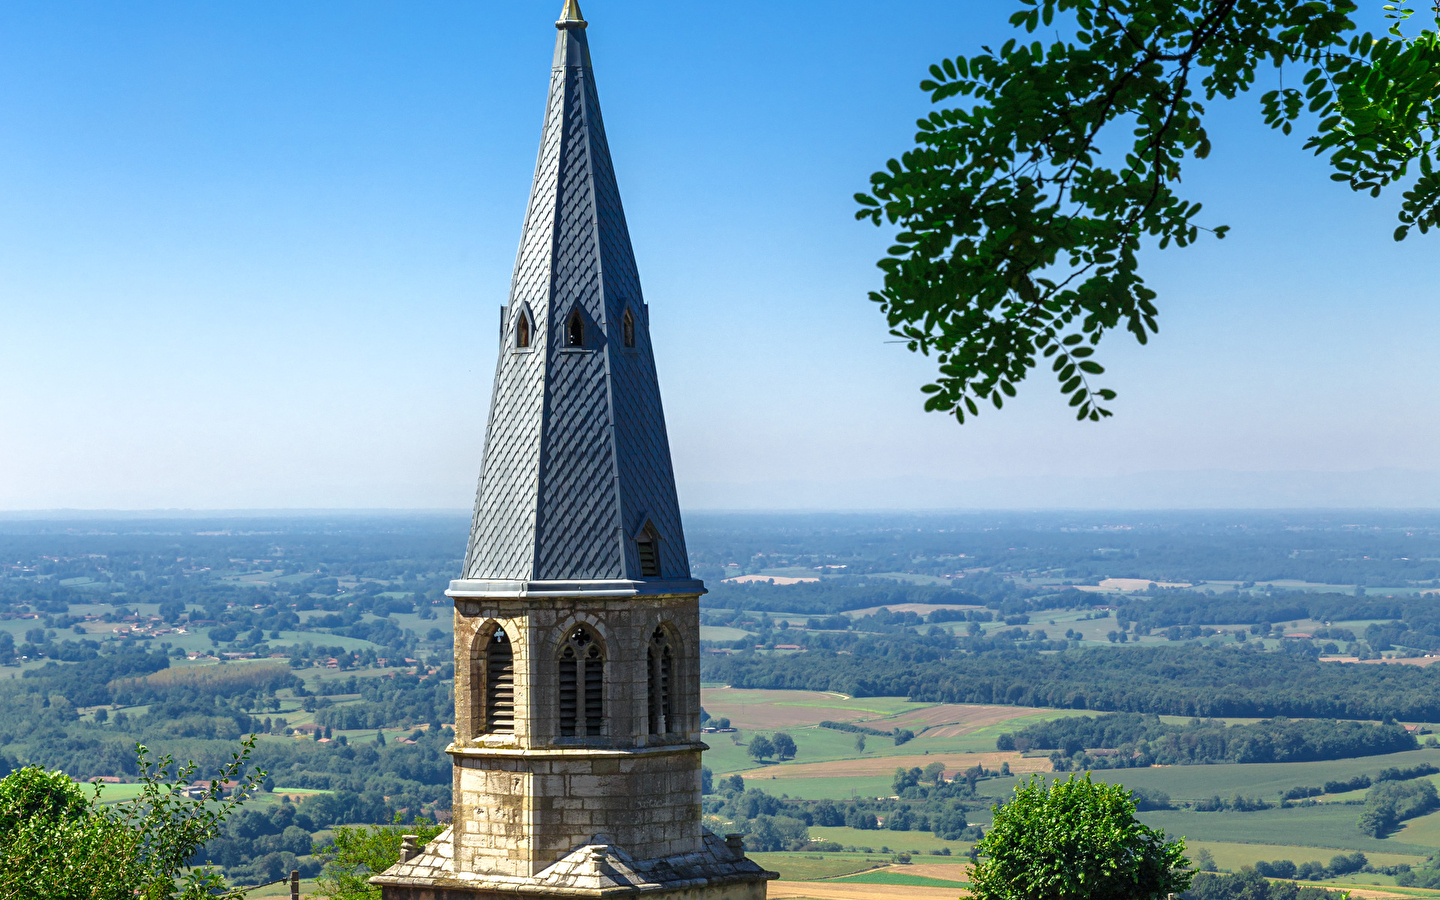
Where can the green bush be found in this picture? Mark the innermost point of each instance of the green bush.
(356, 853)
(58, 843)
(55, 843)
(1078, 840)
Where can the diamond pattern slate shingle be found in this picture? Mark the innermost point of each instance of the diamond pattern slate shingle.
(577, 459)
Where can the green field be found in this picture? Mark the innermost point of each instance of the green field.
(798, 717)
(810, 866)
(1231, 856)
(900, 878)
(1301, 834)
(1258, 779)
(822, 788)
(1329, 825)
(913, 841)
(722, 633)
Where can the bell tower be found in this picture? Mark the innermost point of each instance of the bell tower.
(577, 671)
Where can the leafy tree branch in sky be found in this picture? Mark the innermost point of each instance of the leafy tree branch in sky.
(1018, 248)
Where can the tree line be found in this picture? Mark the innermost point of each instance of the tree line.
(1144, 740)
(1184, 681)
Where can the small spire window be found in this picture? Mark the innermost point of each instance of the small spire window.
(628, 328)
(662, 669)
(582, 686)
(522, 331)
(575, 329)
(649, 556)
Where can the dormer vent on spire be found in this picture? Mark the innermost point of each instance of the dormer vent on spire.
(577, 460)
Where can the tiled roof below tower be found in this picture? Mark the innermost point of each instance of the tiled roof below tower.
(592, 870)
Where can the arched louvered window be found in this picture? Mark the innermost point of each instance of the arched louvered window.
(628, 328)
(492, 686)
(575, 329)
(522, 331)
(662, 679)
(582, 685)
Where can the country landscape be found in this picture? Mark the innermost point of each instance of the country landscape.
(330, 639)
(936, 569)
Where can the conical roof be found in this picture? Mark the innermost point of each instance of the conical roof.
(576, 483)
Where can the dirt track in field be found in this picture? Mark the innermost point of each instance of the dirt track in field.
(886, 765)
(943, 871)
(825, 890)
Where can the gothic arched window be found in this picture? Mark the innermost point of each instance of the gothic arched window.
(492, 686)
(628, 328)
(522, 331)
(575, 329)
(582, 685)
(662, 677)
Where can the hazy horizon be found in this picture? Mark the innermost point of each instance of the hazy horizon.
(1227, 491)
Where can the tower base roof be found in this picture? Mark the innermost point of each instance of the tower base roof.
(598, 869)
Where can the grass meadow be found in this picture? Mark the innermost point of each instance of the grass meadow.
(828, 765)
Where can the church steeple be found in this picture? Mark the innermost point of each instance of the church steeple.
(577, 739)
(577, 482)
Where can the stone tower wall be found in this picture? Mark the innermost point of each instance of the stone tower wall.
(524, 800)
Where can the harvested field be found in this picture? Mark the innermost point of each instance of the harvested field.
(885, 765)
(763, 710)
(953, 720)
(830, 890)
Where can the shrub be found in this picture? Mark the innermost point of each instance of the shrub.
(1078, 840)
(355, 854)
(1345, 863)
(58, 843)
(1280, 868)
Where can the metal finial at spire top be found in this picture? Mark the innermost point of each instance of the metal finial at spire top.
(571, 15)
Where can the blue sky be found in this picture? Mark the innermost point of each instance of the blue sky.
(251, 256)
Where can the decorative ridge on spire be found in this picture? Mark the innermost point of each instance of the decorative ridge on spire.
(570, 16)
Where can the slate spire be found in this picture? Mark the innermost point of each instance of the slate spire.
(576, 483)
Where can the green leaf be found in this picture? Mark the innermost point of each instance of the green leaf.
(1017, 240)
